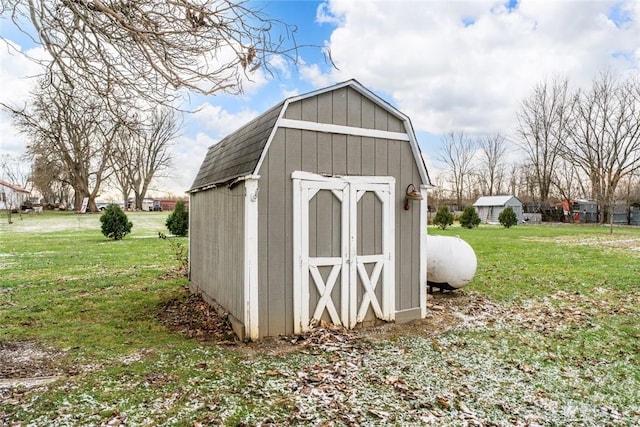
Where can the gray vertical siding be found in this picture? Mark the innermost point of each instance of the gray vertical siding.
(216, 241)
(369, 237)
(325, 153)
(325, 212)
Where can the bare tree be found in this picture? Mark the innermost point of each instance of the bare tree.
(74, 129)
(15, 172)
(632, 192)
(151, 48)
(513, 183)
(142, 153)
(122, 157)
(491, 164)
(437, 193)
(15, 169)
(605, 140)
(543, 122)
(568, 183)
(457, 155)
(50, 178)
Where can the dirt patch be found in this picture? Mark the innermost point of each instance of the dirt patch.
(193, 317)
(27, 359)
(23, 366)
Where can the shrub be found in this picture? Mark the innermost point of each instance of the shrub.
(115, 224)
(443, 218)
(469, 217)
(508, 217)
(178, 220)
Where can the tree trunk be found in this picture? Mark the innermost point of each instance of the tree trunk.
(78, 198)
(81, 190)
(138, 199)
(125, 198)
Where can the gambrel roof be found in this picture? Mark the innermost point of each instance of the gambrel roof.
(240, 154)
(237, 154)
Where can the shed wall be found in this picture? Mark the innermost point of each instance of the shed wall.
(490, 214)
(634, 215)
(517, 208)
(333, 154)
(216, 239)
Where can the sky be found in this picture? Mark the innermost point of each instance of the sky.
(450, 65)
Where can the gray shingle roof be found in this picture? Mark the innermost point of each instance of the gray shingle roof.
(494, 200)
(237, 154)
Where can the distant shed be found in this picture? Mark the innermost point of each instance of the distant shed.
(298, 217)
(12, 196)
(490, 207)
(587, 211)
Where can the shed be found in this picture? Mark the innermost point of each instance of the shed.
(12, 196)
(587, 211)
(490, 207)
(634, 215)
(298, 218)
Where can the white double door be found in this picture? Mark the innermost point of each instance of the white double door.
(343, 240)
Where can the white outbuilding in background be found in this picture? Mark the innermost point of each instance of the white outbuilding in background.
(489, 208)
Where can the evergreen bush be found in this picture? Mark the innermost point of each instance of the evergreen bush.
(443, 218)
(178, 220)
(469, 217)
(508, 217)
(115, 224)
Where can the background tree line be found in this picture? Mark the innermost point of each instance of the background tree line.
(571, 143)
(78, 145)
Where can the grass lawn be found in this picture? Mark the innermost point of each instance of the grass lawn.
(547, 333)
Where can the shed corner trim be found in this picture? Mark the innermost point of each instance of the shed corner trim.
(422, 274)
(251, 256)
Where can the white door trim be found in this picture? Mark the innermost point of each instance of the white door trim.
(349, 190)
(303, 191)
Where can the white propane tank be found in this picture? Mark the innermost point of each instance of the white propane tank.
(451, 262)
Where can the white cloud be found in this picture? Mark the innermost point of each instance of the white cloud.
(220, 121)
(325, 16)
(18, 70)
(466, 65)
(18, 74)
(288, 93)
(188, 154)
(280, 66)
(312, 73)
(211, 123)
